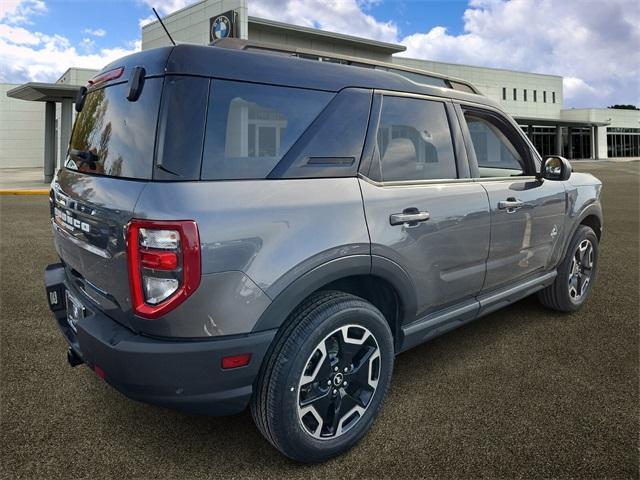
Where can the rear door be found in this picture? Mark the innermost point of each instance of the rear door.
(527, 213)
(422, 209)
(93, 197)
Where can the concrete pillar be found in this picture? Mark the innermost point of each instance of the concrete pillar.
(569, 144)
(558, 140)
(592, 141)
(65, 128)
(601, 136)
(49, 141)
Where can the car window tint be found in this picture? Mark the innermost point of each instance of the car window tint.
(414, 140)
(113, 136)
(496, 155)
(181, 128)
(250, 127)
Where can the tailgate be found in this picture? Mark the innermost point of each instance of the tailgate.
(89, 217)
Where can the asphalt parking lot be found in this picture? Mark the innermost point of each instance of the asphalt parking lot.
(522, 393)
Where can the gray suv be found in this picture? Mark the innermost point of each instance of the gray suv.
(242, 226)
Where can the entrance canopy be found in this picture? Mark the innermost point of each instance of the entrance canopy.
(549, 122)
(44, 92)
(51, 93)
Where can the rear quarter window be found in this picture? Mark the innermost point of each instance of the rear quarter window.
(250, 127)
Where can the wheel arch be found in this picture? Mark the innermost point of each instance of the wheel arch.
(378, 280)
(591, 216)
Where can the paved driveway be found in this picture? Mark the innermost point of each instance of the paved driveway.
(524, 392)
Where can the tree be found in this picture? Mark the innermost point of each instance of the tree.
(624, 107)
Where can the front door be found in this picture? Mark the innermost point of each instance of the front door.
(527, 213)
(419, 213)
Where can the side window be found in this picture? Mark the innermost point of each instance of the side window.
(496, 155)
(414, 140)
(179, 150)
(250, 127)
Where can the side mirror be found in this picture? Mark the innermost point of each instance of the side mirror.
(556, 168)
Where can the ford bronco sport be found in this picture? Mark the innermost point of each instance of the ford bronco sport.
(240, 226)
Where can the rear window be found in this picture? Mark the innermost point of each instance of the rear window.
(414, 140)
(113, 136)
(250, 127)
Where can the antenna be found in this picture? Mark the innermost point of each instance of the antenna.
(165, 28)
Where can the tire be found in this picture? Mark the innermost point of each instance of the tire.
(310, 345)
(568, 292)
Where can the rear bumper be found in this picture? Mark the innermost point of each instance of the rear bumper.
(182, 374)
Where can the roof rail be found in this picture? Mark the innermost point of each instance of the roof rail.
(412, 74)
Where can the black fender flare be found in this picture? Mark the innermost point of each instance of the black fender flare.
(292, 295)
(594, 209)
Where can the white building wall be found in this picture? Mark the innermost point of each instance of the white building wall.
(77, 76)
(291, 39)
(615, 117)
(21, 131)
(191, 24)
(491, 81)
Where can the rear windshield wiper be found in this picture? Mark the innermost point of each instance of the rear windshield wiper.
(85, 157)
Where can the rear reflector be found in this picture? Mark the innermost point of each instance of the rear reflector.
(99, 372)
(236, 361)
(159, 260)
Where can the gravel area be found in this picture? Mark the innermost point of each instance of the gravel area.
(522, 393)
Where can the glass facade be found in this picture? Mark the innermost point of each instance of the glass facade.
(574, 144)
(623, 142)
(580, 143)
(544, 139)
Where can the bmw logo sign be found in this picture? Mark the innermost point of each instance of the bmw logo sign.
(221, 28)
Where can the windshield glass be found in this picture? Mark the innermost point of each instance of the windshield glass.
(113, 136)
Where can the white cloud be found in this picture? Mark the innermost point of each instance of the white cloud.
(342, 16)
(33, 56)
(18, 11)
(98, 32)
(27, 55)
(164, 7)
(18, 35)
(594, 44)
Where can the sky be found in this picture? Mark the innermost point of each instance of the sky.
(593, 44)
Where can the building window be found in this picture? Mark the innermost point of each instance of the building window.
(535, 95)
(504, 93)
(515, 94)
(544, 96)
(525, 94)
(553, 97)
(623, 142)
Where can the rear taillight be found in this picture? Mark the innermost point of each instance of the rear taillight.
(164, 264)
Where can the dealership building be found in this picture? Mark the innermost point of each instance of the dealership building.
(35, 118)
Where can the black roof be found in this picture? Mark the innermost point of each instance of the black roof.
(264, 67)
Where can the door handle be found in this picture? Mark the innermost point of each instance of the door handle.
(408, 217)
(511, 204)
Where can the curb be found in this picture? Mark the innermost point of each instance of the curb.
(24, 191)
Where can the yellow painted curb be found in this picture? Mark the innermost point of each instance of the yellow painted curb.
(24, 191)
